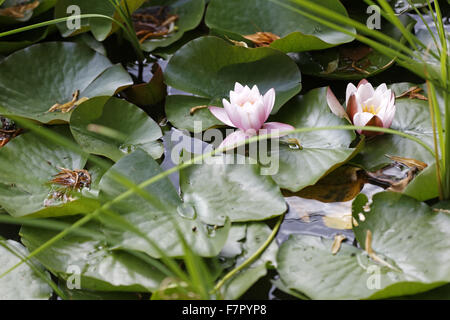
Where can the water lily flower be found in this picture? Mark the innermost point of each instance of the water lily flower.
(248, 111)
(366, 106)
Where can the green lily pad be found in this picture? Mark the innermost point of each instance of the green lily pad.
(409, 238)
(255, 235)
(297, 32)
(178, 112)
(29, 89)
(321, 152)
(190, 14)
(209, 67)
(353, 61)
(27, 164)
(158, 217)
(7, 18)
(99, 266)
(101, 28)
(237, 191)
(23, 283)
(133, 127)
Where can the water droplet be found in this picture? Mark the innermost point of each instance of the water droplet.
(127, 148)
(187, 211)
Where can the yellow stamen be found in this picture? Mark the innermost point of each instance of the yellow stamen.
(371, 109)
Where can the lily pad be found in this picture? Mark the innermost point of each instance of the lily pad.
(178, 112)
(410, 241)
(132, 128)
(237, 191)
(101, 28)
(190, 14)
(23, 283)
(255, 235)
(297, 32)
(321, 151)
(352, 61)
(98, 265)
(160, 216)
(209, 67)
(27, 164)
(63, 69)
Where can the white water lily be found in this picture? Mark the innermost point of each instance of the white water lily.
(366, 106)
(248, 111)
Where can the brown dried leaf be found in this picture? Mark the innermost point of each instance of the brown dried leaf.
(262, 39)
(337, 243)
(19, 11)
(413, 93)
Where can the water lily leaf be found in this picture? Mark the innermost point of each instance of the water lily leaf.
(100, 28)
(209, 67)
(159, 218)
(237, 191)
(419, 248)
(352, 61)
(280, 18)
(410, 239)
(189, 15)
(23, 283)
(256, 234)
(99, 266)
(178, 112)
(17, 11)
(321, 151)
(132, 128)
(63, 69)
(27, 164)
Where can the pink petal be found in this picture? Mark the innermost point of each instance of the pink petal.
(232, 113)
(277, 126)
(362, 82)
(389, 116)
(353, 107)
(269, 102)
(382, 88)
(365, 92)
(361, 119)
(374, 122)
(335, 106)
(238, 87)
(351, 89)
(232, 140)
(221, 114)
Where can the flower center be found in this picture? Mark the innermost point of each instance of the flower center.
(370, 109)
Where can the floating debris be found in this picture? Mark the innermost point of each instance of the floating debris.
(72, 179)
(154, 23)
(68, 106)
(8, 131)
(337, 243)
(20, 10)
(413, 93)
(262, 39)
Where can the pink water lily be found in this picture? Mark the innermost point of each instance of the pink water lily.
(366, 106)
(248, 111)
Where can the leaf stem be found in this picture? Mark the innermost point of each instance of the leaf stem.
(252, 258)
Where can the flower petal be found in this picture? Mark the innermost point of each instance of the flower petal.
(351, 89)
(374, 122)
(221, 114)
(353, 107)
(232, 113)
(361, 119)
(335, 105)
(238, 87)
(362, 82)
(277, 126)
(269, 102)
(365, 92)
(382, 88)
(232, 140)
